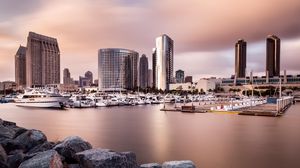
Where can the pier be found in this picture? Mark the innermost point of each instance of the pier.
(254, 108)
(274, 110)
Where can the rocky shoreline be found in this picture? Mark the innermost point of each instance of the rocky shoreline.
(23, 148)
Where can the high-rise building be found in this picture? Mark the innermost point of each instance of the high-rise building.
(67, 77)
(273, 56)
(117, 69)
(89, 75)
(42, 60)
(150, 78)
(240, 58)
(20, 67)
(96, 81)
(163, 62)
(179, 75)
(86, 80)
(188, 79)
(153, 68)
(143, 71)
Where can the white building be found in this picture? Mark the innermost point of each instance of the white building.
(181, 86)
(207, 84)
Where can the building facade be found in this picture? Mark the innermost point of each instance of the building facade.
(150, 78)
(153, 68)
(273, 56)
(240, 58)
(8, 85)
(89, 76)
(20, 67)
(42, 60)
(143, 73)
(179, 75)
(163, 67)
(188, 79)
(66, 75)
(117, 69)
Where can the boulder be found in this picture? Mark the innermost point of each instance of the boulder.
(73, 166)
(11, 145)
(18, 131)
(47, 159)
(41, 148)
(30, 139)
(3, 157)
(15, 160)
(130, 157)
(70, 146)
(179, 164)
(6, 133)
(7, 123)
(105, 158)
(150, 165)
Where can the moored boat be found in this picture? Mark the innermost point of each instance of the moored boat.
(41, 99)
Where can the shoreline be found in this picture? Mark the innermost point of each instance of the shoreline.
(26, 148)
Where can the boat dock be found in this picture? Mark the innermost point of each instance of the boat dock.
(265, 109)
(186, 109)
(273, 110)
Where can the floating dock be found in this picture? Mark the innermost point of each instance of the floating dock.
(260, 110)
(272, 110)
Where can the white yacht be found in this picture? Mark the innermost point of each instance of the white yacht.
(98, 99)
(40, 98)
(81, 101)
(169, 98)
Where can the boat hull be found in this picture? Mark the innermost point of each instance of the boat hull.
(42, 104)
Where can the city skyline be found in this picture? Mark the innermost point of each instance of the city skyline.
(199, 45)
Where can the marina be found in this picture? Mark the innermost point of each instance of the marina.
(242, 105)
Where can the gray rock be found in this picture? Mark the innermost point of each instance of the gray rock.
(179, 164)
(14, 152)
(30, 139)
(70, 146)
(131, 157)
(104, 158)
(6, 133)
(3, 156)
(18, 131)
(29, 156)
(7, 123)
(11, 145)
(41, 148)
(15, 160)
(74, 166)
(47, 159)
(150, 165)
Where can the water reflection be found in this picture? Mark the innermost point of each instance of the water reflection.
(210, 140)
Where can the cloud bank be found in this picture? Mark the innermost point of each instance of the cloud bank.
(204, 31)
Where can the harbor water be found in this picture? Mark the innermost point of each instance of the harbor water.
(210, 140)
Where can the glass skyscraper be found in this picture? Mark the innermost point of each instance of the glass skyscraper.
(163, 62)
(117, 69)
(179, 75)
(143, 71)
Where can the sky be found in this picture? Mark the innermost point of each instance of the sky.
(204, 31)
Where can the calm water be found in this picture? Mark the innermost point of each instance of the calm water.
(210, 140)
